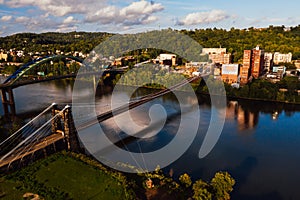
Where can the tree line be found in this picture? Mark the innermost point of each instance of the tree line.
(272, 39)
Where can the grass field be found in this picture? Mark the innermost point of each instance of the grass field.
(62, 177)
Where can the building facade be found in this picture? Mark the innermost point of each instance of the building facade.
(268, 61)
(282, 58)
(245, 69)
(217, 55)
(257, 62)
(230, 73)
(3, 56)
(253, 64)
(167, 59)
(213, 50)
(223, 58)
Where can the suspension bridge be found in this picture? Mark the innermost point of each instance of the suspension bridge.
(38, 134)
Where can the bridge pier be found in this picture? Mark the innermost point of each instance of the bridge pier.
(8, 101)
(56, 122)
(70, 132)
(64, 124)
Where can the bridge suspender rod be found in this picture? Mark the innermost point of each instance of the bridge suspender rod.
(28, 123)
(21, 143)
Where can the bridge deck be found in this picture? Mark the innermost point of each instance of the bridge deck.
(45, 79)
(121, 109)
(44, 143)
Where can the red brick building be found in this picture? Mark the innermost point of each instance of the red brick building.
(253, 64)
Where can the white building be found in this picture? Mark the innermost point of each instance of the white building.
(279, 71)
(217, 55)
(213, 50)
(230, 73)
(3, 56)
(167, 59)
(195, 64)
(282, 58)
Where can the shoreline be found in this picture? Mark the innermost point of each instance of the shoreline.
(203, 93)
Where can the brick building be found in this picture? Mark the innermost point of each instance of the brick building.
(230, 73)
(253, 64)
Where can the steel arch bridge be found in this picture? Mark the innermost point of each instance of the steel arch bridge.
(12, 81)
(26, 67)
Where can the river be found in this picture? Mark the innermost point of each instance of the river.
(258, 146)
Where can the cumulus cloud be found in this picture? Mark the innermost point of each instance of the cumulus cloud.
(22, 19)
(63, 15)
(141, 8)
(66, 28)
(6, 18)
(69, 20)
(43, 23)
(203, 17)
(105, 15)
(58, 7)
(140, 12)
(99, 11)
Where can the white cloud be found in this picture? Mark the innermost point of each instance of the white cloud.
(140, 12)
(63, 15)
(100, 11)
(18, 3)
(150, 19)
(22, 19)
(204, 17)
(141, 7)
(66, 28)
(59, 7)
(69, 20)
(6, 18)
(105, 15)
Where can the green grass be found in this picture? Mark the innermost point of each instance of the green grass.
(79, 180)
(63, 177)
(10, 190)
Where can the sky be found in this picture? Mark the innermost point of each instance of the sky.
(129, 16)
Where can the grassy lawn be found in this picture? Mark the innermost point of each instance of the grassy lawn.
(63, 177)
(9, 190)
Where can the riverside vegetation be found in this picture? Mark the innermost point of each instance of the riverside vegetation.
(67, 175)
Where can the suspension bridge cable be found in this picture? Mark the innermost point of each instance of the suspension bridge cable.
(47, 109)
(25, 140)
(33, 142)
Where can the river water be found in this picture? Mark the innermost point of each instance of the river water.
(258, 146)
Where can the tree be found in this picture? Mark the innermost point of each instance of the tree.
(185, 179)
(222, 185)
(201, 190)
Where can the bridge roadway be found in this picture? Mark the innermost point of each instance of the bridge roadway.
(145, 99)
(38, 146)
(28, 82)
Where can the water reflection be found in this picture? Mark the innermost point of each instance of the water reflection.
(259, 144)
(244, 117)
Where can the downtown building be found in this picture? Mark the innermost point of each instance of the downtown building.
(230, 73)
(282, 58)
(217, 55)
(253, 64)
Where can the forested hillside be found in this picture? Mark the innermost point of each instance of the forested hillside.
(51, 41)
(271, 39)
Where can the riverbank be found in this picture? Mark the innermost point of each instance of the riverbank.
(68, 175)
(65, 175)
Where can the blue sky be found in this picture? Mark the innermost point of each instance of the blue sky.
(135, 15)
